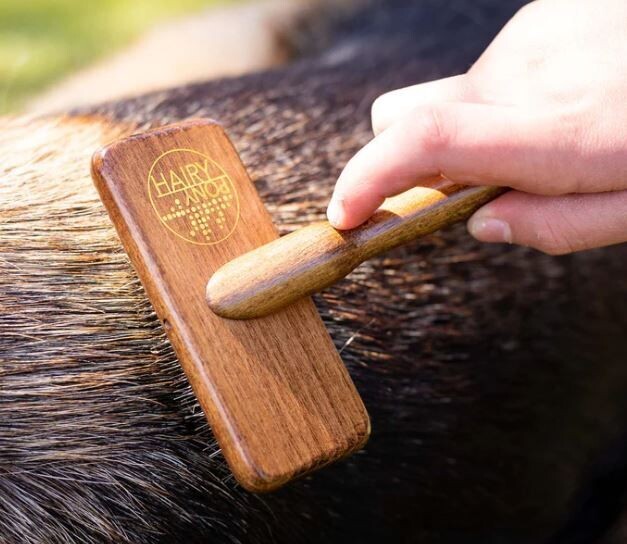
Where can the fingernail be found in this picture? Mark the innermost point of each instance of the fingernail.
(335, 212)
(489, 229)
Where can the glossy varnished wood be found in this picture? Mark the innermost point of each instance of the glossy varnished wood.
(305, 261)
(275, 391)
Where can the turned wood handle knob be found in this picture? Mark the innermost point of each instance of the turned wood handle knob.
(312, 258)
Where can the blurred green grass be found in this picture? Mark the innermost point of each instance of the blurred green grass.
(43, 40)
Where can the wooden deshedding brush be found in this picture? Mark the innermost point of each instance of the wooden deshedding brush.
(274, 389)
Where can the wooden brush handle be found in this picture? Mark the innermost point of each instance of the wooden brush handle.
(312, 258)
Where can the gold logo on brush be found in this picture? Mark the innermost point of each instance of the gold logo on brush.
(193, 196)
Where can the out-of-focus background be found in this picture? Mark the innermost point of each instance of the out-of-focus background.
(43, 40)
(60, 54)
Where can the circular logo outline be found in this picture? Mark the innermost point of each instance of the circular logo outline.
(231, 184)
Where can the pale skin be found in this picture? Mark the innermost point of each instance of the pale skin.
(543, 111)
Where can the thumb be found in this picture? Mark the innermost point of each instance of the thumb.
(553, 224)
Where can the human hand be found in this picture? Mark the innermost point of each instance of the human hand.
(543, 111)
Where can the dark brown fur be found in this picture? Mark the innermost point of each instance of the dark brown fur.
(494, 375)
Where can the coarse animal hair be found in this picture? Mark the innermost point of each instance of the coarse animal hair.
(494, 375)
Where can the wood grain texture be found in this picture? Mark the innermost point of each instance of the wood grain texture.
(310, 259)
(275, 391)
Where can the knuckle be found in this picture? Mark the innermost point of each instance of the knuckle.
(554, 240)
(435, 131)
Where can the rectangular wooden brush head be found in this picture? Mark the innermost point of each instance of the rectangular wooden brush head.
(274, 389)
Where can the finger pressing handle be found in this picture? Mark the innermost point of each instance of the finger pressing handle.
(310, 259)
